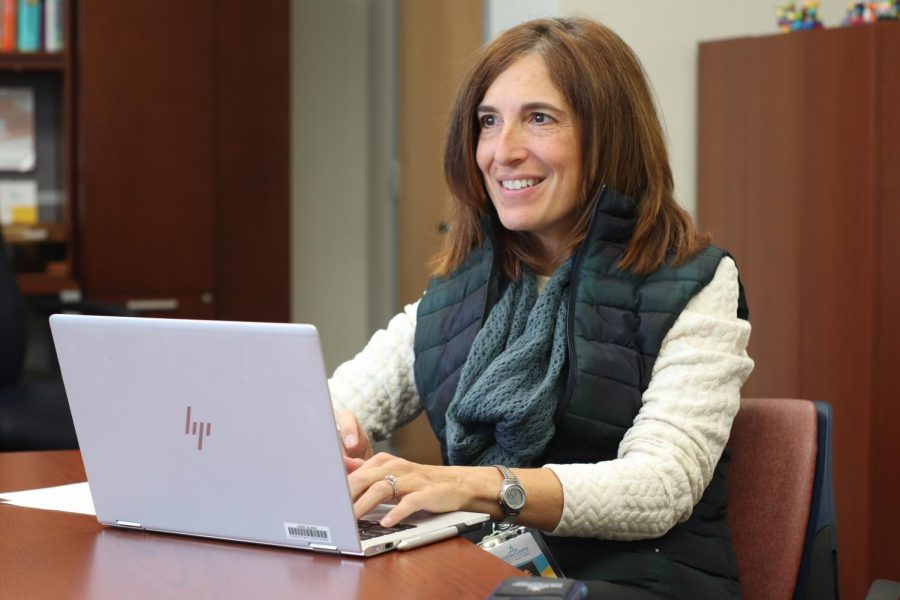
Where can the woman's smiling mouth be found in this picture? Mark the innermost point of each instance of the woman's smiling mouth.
(518, 184)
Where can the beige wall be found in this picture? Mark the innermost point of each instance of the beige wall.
(665, 34)
(341, 148)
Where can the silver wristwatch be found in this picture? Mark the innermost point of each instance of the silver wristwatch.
(512, 497)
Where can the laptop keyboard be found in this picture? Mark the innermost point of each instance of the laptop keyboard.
(371, 529)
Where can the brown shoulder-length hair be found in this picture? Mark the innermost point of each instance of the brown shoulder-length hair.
(621, 140)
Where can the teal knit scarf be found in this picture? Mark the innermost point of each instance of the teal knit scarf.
(503, 409)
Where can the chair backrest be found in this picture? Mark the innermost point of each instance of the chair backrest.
(12, 321)
(780, 499)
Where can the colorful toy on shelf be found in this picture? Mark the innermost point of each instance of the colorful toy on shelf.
(810, 15)
(887, 10)
(791, 19)
(858, 13)
(786, 13)
(862, 13)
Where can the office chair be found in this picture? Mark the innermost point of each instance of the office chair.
(34, 410)
(12, 322)
(781, 500)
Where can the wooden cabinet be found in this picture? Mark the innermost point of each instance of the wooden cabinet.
(183, 184)
(147, 152)
(797, 145)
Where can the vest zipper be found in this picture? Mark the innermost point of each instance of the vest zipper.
(570, 313)
(487, 292)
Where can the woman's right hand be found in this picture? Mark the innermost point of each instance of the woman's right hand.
(354, 440)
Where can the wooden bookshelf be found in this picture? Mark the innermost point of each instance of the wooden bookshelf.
(33, 284)
(39, 233)
(33, 61)
(43, 253)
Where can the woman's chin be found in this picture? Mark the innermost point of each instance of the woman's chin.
(516, 224)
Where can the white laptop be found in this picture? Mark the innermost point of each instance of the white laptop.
(218, 429)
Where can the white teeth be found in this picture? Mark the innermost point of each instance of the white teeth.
(518, 184)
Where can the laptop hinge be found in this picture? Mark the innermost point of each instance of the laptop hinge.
(130, 524)
(324, 548)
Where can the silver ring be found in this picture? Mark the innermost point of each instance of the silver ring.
(395, 485)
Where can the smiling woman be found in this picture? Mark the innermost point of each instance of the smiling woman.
(580, 350)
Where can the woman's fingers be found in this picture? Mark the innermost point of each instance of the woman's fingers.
(352, 464)
(371, 471)
(348, 427)
(408, 505)
(354, 440)
(378, 493)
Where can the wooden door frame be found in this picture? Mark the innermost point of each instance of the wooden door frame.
(437, 42)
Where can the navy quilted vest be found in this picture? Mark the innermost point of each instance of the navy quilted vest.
(616, 324)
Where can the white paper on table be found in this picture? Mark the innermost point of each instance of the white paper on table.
(75, 498)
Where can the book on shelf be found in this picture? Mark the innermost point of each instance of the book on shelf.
(8, 25)
(53, 16)
(31, 25)
(18, 202)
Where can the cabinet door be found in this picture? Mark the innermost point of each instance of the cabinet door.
(146, 147)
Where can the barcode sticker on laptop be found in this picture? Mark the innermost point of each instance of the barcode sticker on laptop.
(299, 531)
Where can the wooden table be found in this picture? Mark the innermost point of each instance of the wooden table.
(47, 554)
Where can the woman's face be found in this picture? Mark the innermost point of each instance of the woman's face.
(528, 152)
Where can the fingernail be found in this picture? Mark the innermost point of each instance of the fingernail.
(387, 522)
(349, 441)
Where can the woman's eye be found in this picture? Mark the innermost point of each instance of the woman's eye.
(487, 120)
(541, 118)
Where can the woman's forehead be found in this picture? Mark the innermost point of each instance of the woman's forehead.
(526, 80)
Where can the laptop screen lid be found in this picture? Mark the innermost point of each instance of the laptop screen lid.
(210, 428)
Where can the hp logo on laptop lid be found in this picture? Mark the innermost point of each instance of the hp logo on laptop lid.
(198, 428)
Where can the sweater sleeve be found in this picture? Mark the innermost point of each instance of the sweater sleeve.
(667, 458)
(378, 385)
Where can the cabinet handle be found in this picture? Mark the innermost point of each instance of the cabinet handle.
(147, 304)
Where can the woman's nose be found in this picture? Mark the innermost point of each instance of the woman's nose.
(511, 145)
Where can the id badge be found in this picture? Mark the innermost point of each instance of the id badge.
(523, 548)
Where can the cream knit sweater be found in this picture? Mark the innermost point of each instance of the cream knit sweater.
(666, 458)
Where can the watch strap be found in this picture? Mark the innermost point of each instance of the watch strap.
(507, 474)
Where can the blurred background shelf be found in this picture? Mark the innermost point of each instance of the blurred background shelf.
(33, 61)
(33, 284)
(35, 234)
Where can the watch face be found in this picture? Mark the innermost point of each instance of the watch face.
(514, 497)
